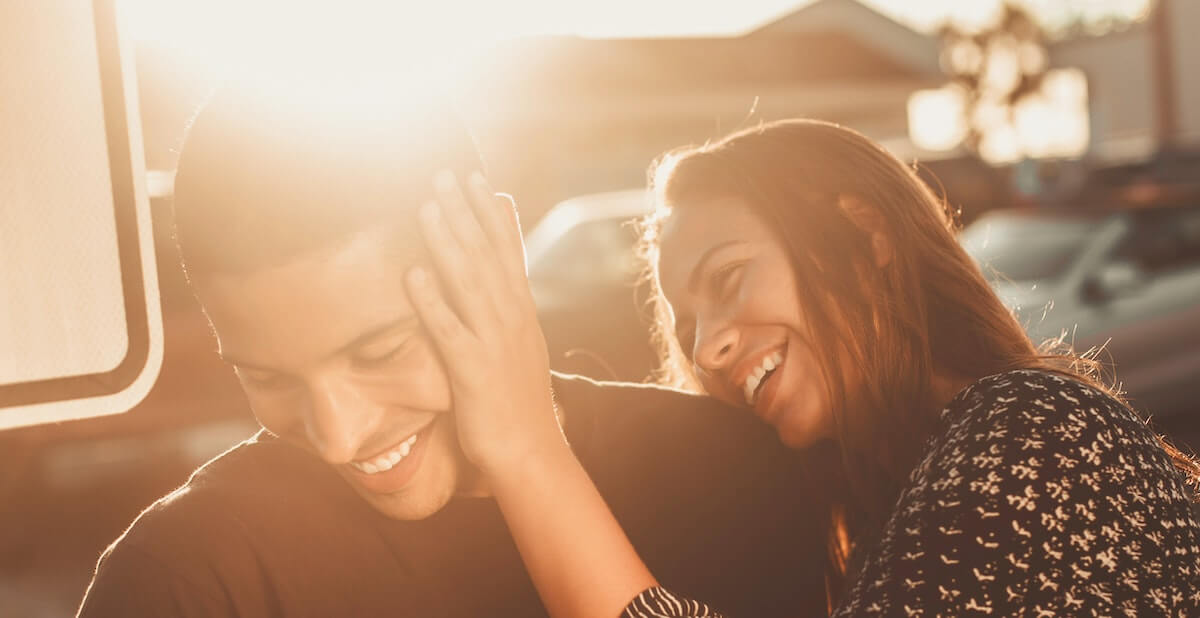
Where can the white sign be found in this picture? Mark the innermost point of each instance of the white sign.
(80, 319)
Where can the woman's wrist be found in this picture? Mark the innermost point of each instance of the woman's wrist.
(541, 459)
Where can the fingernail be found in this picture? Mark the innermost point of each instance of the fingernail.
(429, 212)
(417, 275)
(444, 180)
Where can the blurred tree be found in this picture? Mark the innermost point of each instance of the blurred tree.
(994, 69)
(1011, 104)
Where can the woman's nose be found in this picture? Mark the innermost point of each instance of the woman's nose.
(715, 348)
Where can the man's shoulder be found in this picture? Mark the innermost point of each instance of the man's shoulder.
(677, 445)
(208, 505)
(179, 551)
(619, 407)
(696, 482)
(590, 393)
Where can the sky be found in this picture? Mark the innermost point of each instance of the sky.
(167, 19)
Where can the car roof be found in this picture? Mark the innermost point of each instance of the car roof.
(1097, 210)
(1046, 213)
(567, 214)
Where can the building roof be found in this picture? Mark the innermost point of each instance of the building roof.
(829, 41)
(917, 52)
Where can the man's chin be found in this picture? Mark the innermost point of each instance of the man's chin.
(432, 488)
(408, 506)
(443, 475)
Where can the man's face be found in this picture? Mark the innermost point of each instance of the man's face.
(334, 360)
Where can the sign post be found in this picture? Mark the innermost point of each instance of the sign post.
(80, 316)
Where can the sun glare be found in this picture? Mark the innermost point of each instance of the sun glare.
(235, 38)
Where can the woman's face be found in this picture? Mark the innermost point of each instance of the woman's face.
(739, 319)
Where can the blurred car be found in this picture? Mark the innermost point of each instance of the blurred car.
(1127, 279)
(586, 279)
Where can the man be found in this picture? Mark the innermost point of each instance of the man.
(295, 222)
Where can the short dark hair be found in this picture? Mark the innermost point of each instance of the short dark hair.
(265, 176)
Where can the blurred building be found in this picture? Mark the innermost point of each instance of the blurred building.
(561, 116)
(1127, 80)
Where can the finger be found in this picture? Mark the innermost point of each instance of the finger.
(482, 256)
(497, 215)
(452, 339)
(456, 270)
(461, 218)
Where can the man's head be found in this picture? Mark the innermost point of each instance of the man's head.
(295, 219)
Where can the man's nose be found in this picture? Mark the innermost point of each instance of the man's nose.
(339, 420)
(716, 346)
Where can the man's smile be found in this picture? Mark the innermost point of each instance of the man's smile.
(392, 470)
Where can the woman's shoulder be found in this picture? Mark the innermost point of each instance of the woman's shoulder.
(1040, 475)
(1048, 425)
(1024, 400)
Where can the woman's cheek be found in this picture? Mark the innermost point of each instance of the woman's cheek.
(717, 389)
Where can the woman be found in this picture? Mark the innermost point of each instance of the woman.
(807, 275)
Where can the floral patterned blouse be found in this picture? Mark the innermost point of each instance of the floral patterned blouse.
(1041, 497)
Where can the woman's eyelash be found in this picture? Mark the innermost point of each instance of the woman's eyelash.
(722, 278)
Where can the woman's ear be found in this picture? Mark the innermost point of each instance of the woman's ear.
(869, 220)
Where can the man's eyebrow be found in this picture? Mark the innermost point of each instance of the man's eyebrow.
(694, 277)
(395, 325)
(404, 323)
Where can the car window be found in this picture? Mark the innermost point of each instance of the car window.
(1022, 247)
(1162, 241)
(598, 251)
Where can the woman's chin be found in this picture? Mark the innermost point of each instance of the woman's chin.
(796, 429)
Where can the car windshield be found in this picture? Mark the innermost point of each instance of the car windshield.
(602, 247)
(1025, 246)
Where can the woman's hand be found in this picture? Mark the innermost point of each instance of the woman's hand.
(485, 326)
(579, 558)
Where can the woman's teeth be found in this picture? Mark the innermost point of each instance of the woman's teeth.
(386, 461)
(769, 364)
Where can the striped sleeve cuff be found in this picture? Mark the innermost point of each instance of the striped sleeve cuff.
(658, 602)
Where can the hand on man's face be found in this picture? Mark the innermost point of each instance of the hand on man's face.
(334, 360)
(483, 320)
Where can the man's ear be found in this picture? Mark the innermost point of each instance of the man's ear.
(869, 220)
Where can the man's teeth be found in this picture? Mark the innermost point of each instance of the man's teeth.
(384, 462)
(756, 377)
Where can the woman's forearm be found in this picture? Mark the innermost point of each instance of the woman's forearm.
(580, 560)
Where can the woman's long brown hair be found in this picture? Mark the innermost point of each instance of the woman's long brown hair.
(825, 189)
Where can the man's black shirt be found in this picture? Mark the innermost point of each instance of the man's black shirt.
(712, 501)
